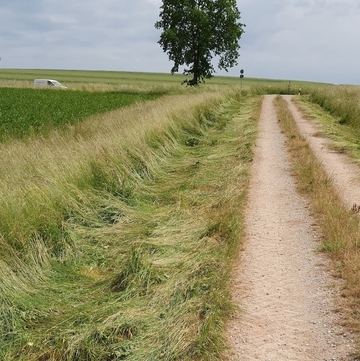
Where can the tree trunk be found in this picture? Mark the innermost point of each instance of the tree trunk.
(196, 70)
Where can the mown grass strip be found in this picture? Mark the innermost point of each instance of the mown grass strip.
(134, 263)
(339, 226)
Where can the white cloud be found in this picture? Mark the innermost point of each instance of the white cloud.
(154, 2)
(292, 39)
(313, 40)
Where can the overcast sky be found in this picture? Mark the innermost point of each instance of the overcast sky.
(315, 40)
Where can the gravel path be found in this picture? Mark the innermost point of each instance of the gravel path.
(282, 284)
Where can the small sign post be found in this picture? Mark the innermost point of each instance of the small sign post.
(241, 77)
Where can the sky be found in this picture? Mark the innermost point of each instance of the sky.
(311, 40)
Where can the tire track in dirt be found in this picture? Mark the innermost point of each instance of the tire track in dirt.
(344, 174)
(281, 284)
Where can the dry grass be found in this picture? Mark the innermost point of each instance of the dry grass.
(138, 87)
(42, 167)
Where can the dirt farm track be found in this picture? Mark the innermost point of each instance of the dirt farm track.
(282, 284)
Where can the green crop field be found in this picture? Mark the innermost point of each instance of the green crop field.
(32, 111)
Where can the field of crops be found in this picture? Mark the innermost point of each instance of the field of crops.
(26, 111)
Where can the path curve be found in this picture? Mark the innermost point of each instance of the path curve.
(282, 284)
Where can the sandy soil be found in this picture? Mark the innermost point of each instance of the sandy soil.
(282, 285)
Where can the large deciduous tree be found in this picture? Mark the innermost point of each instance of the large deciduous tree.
(196, 31)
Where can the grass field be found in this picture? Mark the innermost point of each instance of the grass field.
(120, 224)
(117, 231)
(38, 111)
(160, 82)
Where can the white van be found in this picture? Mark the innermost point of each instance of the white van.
(48, 83)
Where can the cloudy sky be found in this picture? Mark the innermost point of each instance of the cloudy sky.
(315, 40)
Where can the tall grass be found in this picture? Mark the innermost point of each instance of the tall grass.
(342, 101)
(336, 110)
(117, 234)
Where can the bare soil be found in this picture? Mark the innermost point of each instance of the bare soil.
(283, 286)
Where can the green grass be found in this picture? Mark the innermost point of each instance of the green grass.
(336, 109)
(340, 101)
(118, 235)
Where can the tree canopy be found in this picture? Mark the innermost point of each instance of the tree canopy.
(196, 31)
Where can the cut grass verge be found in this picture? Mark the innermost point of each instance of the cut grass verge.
(122, 247)
(345, 137)
(339, 226)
